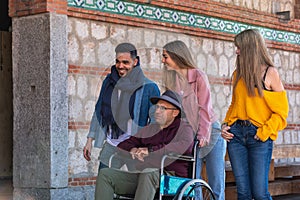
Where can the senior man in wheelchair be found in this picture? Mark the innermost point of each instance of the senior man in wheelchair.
(170, 134)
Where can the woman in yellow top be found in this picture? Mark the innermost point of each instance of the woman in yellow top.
(258, 110)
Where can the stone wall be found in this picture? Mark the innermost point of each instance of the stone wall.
(91, 52)
(207, 27)
(53, 36)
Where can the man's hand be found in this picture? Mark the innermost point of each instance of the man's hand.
(133, 152)
(139, 153)
(87, 149)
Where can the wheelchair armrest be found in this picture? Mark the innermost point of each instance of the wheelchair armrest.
(174, 156)
(118, 155)
(179, 157)
(111, 158)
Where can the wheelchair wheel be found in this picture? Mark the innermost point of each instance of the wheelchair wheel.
(196, 189)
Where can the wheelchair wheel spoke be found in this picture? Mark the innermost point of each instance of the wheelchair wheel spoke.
(189, 196)
(203, 193)
(196, 190)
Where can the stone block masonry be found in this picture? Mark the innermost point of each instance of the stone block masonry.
(196, 18)
(62, 50)
(40, 135)
(216, 57)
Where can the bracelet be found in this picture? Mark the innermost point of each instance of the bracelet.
(150, 148)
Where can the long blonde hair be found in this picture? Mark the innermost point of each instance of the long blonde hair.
(180, 54)
(253, 56)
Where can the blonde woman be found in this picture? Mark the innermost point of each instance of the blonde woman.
(192, 84)
(258, 110)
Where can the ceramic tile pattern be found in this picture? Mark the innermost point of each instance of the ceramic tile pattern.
(181, 18)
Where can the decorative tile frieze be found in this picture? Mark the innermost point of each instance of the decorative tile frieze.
(151, 12)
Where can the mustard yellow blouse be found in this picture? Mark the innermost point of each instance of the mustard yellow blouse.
(268, 113)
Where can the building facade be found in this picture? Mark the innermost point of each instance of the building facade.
(62, 50)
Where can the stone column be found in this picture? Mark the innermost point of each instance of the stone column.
(40, 133)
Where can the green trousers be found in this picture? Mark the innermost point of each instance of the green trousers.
(142, 184)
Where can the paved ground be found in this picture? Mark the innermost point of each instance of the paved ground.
(6, 191)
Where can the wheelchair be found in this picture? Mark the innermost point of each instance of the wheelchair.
(178, 188)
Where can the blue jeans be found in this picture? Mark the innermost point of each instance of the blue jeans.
(215, 166)
(250, 160)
